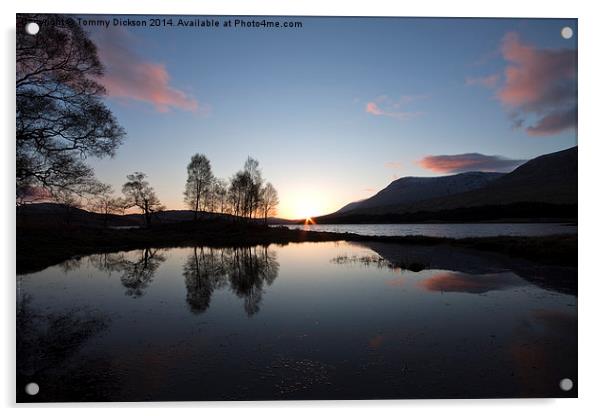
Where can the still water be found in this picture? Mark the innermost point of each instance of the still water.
(300, 321)
(446, 230)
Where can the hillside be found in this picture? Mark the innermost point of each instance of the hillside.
(413, 189)
(540, 185)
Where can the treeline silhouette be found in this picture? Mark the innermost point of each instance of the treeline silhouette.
(245, 195)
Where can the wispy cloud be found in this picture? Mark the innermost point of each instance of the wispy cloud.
(130, 77)
(467, 162)
(394, 108)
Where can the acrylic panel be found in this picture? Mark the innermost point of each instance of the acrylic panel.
(295, 208)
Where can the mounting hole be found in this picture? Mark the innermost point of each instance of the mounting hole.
(566, 384)
(32, 28)
(566, 32)
(32, 389)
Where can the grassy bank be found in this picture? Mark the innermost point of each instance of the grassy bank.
(40, 247)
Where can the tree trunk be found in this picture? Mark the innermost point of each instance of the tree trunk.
(147, 215)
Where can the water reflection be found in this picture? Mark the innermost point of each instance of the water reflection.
(472, 270)
(344, 321)
(246, 270)
(470, 283)
(137, 268)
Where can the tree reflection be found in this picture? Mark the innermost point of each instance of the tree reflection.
(246, 270)
(204, 271)
(137, 268)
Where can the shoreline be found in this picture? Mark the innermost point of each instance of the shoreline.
(40, 247)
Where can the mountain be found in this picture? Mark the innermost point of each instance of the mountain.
(350, 206)
(545, 182)
(412, 189)
(550, 179)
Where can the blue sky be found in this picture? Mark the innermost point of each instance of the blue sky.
(336, 109)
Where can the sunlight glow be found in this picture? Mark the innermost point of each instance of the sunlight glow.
(306, 204)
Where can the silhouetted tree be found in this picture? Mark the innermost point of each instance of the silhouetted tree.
(104, 202)
(239, 184)
(220, 193)
(268, 201)
(244, 196)
(69, 201)
(253, 186)
(244, 190)
(61, 119)
(198, 183)
(139, 193)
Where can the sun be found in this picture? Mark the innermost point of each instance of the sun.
(306, 210)
(305, 203)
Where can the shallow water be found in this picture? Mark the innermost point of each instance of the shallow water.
(301, 321)
(445, 230)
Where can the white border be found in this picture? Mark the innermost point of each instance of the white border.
(590, 278)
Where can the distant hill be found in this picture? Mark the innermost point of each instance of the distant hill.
(59, 213)
(412, 189)
(543, 186)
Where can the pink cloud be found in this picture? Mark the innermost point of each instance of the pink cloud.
(554, 122)
(33, 194)
(468, 162)
(385, 106)
(489, 81)
(539, 84)
(130, 77)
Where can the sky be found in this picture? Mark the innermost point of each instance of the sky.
(337, 109)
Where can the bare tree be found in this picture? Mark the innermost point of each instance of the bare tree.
(268, 201)
(239, 184)
(139, 193)
(198, 183)
(106, 203)
(254, 182)
(220, 194)
(61, 119)
(69, 201)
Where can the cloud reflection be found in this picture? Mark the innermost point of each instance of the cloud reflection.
(470, 283)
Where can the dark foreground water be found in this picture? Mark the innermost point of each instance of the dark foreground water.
(446, 230)
(301, 321)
